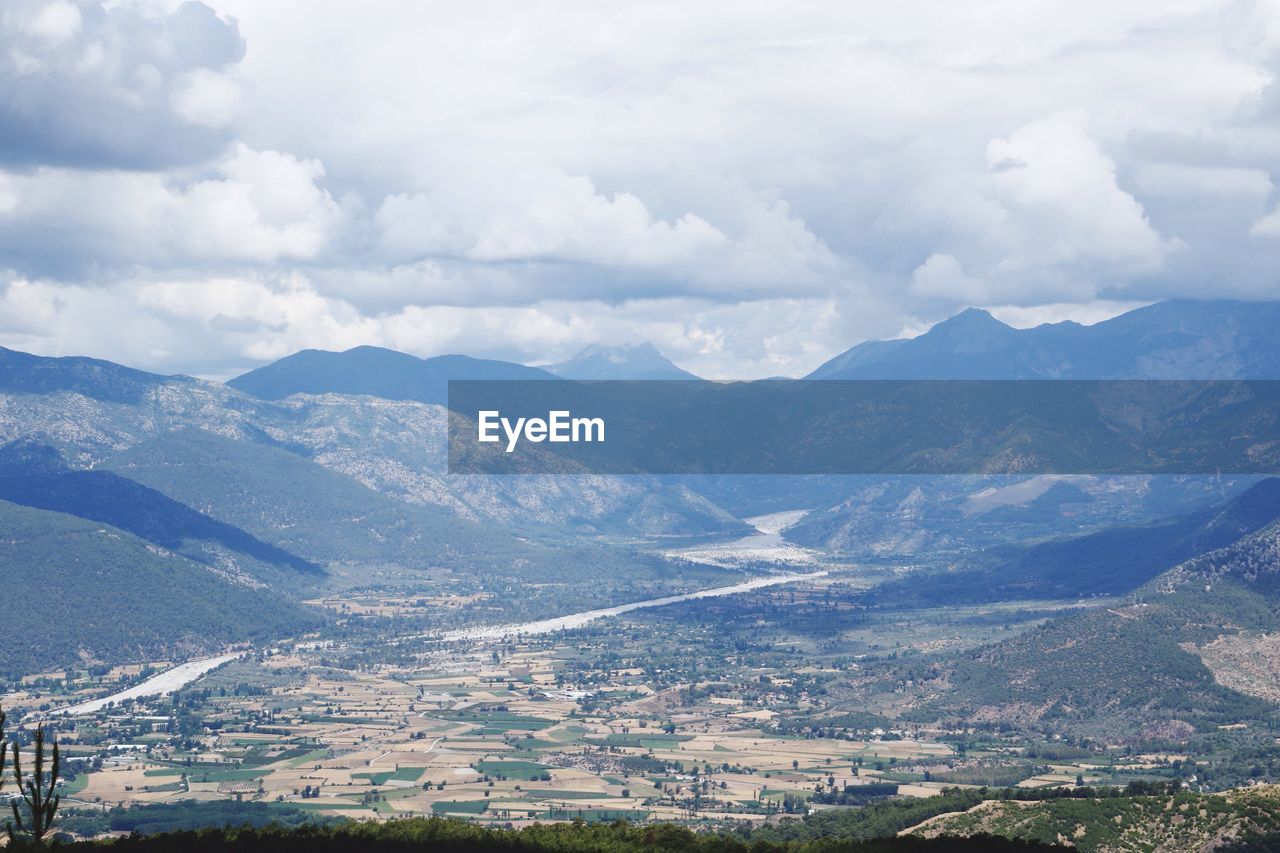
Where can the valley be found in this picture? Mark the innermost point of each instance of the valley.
(270, 600)
(739, 707)
(600, 719)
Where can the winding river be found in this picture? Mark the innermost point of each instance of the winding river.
(577, 620)
(769, 527)
(157, 685)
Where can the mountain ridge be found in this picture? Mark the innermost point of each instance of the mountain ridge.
(376, 372)
(25, 373)
(1115, 560)
(1138, 668)
(1172, 339)
(35, 475)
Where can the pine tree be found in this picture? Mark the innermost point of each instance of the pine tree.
(41, 800)
(4, 750)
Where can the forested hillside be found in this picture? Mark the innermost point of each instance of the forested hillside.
(78, 591)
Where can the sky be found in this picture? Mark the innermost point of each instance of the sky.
(752, 187)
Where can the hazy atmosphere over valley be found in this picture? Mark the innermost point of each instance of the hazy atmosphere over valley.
(920, 492)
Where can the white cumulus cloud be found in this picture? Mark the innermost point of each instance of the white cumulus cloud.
(1063, 205)
(251, 206)
(204, 185)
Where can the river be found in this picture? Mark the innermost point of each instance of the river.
(577, 620)
(766, 545)
(157, 685)
(766, 541)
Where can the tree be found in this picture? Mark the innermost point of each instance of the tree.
(4, 750)
(41, 800)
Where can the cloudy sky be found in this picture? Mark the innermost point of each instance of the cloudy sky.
(201, 187)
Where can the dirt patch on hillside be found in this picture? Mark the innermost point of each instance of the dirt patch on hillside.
(1246, 662)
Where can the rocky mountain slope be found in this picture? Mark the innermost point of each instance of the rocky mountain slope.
(1142, 669)
(397, 447)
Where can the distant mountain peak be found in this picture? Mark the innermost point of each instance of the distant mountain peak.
(972, 330)
(972, 317)
(1175, 339)
(620, 354)
(375, 372)
(635, 361)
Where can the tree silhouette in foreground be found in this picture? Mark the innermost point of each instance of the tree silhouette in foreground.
(39, 799)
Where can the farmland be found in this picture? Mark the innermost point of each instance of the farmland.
(648, 716)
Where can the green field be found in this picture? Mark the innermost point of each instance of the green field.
(474, 807)
(497, 722)
(400, 774)
(310, 757)
(512, 769)
(555, 794)
(655, 740)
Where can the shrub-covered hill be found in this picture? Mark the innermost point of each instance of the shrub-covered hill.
(1241, 819)
(1137, 670)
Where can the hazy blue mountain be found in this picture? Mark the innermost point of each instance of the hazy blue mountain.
(1173, 339)
(641, 361)
(1110, 561)
(35, 475)
(336, 521)
(396, 447)
(298, 505)
(24, 373)
(1184, 339)
(1176, 339)
(969, 515)
(1120, 559)
(79, 591)
(375, 372)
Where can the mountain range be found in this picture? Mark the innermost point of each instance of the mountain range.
(390, 375)
(1175, 339)
(375, 372)
(1113, 560)
(326, 469)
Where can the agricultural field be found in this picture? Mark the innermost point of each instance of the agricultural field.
(504, 740)
(621, 718)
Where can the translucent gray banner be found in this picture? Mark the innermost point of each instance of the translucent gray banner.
(865, 427)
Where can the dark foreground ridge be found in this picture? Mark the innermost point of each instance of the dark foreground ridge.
(439, 834)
